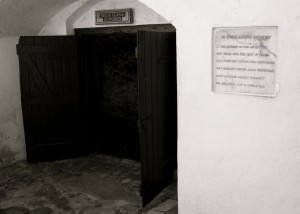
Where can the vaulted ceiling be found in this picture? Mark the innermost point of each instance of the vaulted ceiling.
(27, 17)
(30, 17)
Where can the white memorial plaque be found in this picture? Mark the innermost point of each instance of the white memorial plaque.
(244, 60)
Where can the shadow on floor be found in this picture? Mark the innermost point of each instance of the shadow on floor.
(93, 184)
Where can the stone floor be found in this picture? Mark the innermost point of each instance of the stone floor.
(94, 184)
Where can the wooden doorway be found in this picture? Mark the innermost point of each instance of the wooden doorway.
(158, 110)
(51, 102)
(152, 124)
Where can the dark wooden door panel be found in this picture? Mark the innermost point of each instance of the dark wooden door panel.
(50, 94)
(158, 110)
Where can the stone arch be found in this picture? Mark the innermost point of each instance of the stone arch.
(81, 14)
(84, 17)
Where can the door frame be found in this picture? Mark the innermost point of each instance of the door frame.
(125, 29)
(128, 29)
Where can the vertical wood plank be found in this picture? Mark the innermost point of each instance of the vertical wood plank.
(142, 101)
(50, 75)
(156, 140)
(74, 75)
(155, 106)
(159, 107)
(33, 88)
(63, 74)
(24, 80)
(40, 64)
(148, 70)
(51, 124)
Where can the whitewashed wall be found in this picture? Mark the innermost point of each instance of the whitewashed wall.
(237, 154)
(142, 14)
(12, 146)
(81, 14)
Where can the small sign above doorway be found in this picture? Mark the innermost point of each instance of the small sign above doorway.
(120, 16)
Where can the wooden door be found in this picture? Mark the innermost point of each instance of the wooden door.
(158, 110)
(50, 97)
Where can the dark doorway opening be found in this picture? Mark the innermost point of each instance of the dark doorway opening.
(112, 93)
(111, 90)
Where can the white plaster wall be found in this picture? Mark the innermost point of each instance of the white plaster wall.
(12, 143)
(142, 14)
(27, 17)
(81, 14)
(237, 154)
(57, 24)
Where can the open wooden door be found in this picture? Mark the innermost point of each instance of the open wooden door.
(50, 97)
(158, 110)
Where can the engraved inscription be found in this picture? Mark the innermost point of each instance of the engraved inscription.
(244, 60)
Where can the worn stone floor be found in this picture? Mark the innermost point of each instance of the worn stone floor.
(95, 184)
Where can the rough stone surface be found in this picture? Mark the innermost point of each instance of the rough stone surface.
(41, 210)
(165, 202)
(126, 181)
(166, 206)
(15, 210)
(2, 194)
(6, 155)
(84, 185)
